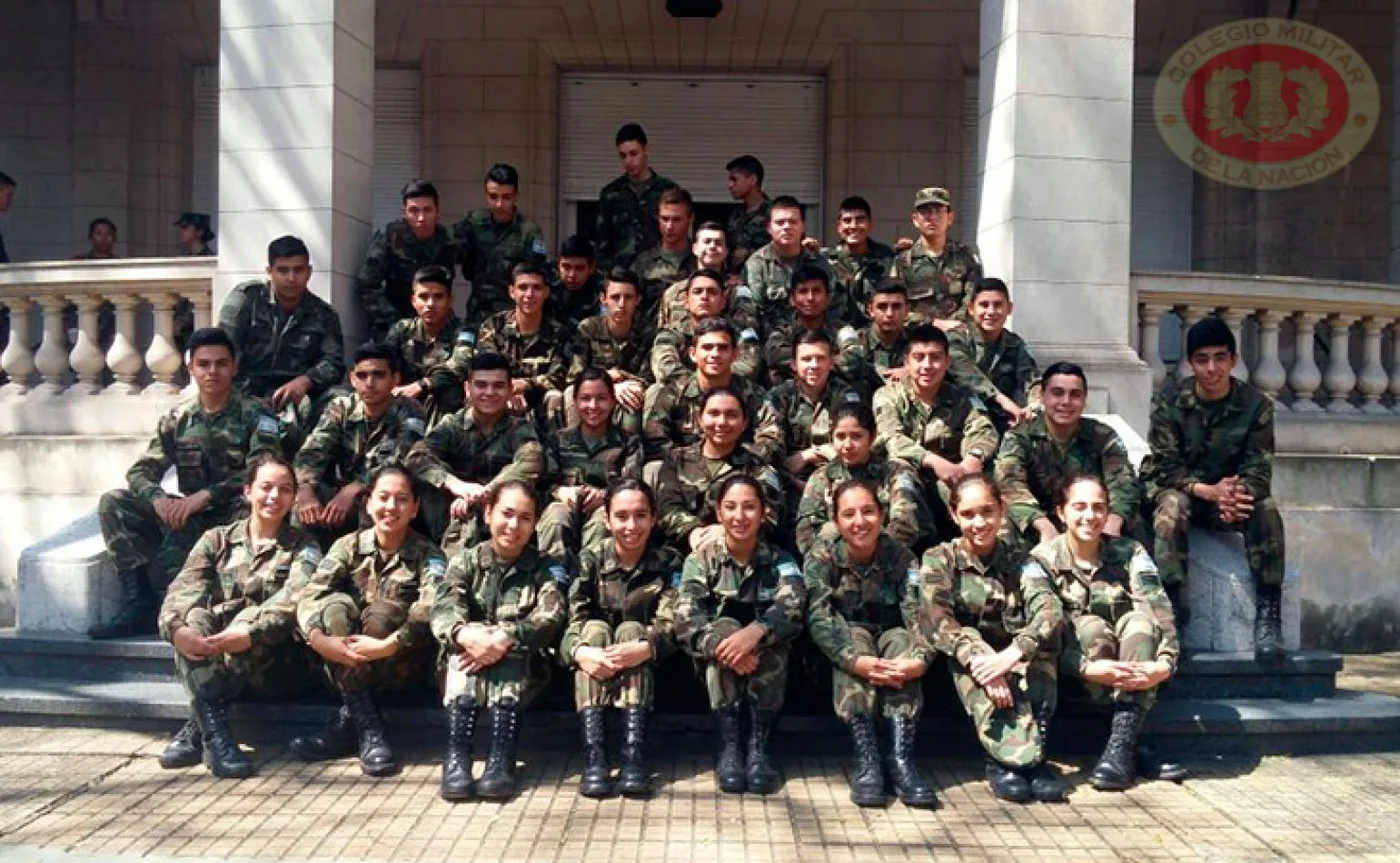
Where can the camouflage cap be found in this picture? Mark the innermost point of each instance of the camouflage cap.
(932, 195)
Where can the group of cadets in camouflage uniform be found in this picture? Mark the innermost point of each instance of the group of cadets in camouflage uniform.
(713, 448)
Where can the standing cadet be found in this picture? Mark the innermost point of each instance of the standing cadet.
(195, 235)
(932, 424)
(768, 272)
(230, 615)
(208, 441)
(862, 612)
(496, 612)
(991, 360)
(617, 341)
(739, 607)
(537, 347)
(357, 435)
(433, 348)
(998, 620)
(704, 297)
(365, 611)
(1212, 439)
(577, 288)
(494, 240)
(938, 272)
(671, 259)
(621, 624)
(883, 345)
(472, 450)
(858, 262)
(290, 350)
(401, 248)
(747, 230)
(627, 206)
(102, 239)
(1036, 458)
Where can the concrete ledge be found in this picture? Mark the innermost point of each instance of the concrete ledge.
(1220, 591)
(67, 582)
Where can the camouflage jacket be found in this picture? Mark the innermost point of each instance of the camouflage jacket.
(768, 589)
(658, 269)
(241, 581)
(596, 347)
(1031, 466)
(541, 358)
(951, 427)
(525, 597)
(459, 447)
(805, 422)
(938, 285)
(627, 219)
(274, 346)
(347, 446)
(857, 275)
(572, 307)
(441, 363)
(905, 519)
(878, 356)
(689, 482)
(877, 596)
(1006, 367)
(670, 352)
(673, 418)
(356, 567)
(969, 606)
(769, 278)
(490, 251)
(747, 232)
(778, 352)
(606, 590)
(1125, 580)
(738, 307)
(575, 460)
(1198, 441)
(208, 451)
(384, 284)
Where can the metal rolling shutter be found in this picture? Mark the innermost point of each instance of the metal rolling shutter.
(1162, 192)
(968, 197)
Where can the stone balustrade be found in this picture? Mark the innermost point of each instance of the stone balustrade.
(1315, 346)
(45, 356)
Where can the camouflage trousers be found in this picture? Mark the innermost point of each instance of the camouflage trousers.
(136, 538)
(264, 671)
(563, 530)
(520, 676)
(764, 688)
(341, 616)
(634, 687)
(1010, 735)
(854, 696)
(1174, 512)
(1132, 638)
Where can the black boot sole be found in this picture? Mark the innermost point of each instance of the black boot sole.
(380, 771)
(192, 759)
(457, 795)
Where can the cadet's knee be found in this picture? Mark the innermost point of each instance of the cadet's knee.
(596, 633)
(337, 616)
(202, 621)
(896, 643)
(1171, 512)
(630, 630)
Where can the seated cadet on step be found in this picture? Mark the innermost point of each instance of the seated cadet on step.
(583, 460)
(938, 272)
(576, 289)
(671, 259)
(810, 298)
(290, 350)
(537, 347)
(704, 297)
(497, 612)
(711, 253)
(1212, 438)
(231, 614)
(933, 424)
(1036, 457)
(882, 345)
(358, 434)
(768, 271)
(905, 518)
(862, 613)
(998, 622)
(208, 440)
(857, 262)
(992, 361)
(479, 446)
(365, 612)
(618, 341)
(621, 623)
(739, 606)
(433, 347)
(494, 240)
(1120, 634)
(384, 285)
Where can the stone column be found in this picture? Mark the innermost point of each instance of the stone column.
(296, 140)
(1056, 114)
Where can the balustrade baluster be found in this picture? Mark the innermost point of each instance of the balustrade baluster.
(1372, 381)
(1152, 341)
(18, 358)
(1340, 380)
(1305, 377)
(86, 357)
(162, 358)
(1234, 319)
(122, 357)
(52, 357)
(1269, 374)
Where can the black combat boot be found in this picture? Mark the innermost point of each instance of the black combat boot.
(376, 758)
(729, 770)
(457, 765)
(1007, 784)
(634, 779)
(909, 784)
(186, 748)
(1116, 769)
(1268, 628)
(1149, 766)
(498, 780)
(137, 615)
(221, 755)
(867, 773)
(337, 740)
(760, 775)
(1047, 786)
(596, 780)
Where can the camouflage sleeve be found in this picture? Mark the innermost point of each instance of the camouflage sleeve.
(1044, 613)
(677, 521)
(938, 625)
(971, 278)
(330, 577)
(850, 360)
(539, 630)
(417, 630)
(978, 432)
(769, 441)
(1124, 488)
(753, 278)
(1028, 375)
(1257, 468)
(777, 354)
(603, 230)
(633, 464)
(193, 587)
(427, 460)
(580, 354)
(452, 602)
(902, 521)
(274, 622)
(145, 474)
(322, 448)
(1151, 598)
(963, 368)
(656, 422)
(829, 630)
(528, 465)
(555, 373)
(910, 600)
(369, 285)
(582, 605)
(413, 421)
(749, 363)
(449, 375)
(890, 432)
(1013, 480)
(487, 340)
(785, 616)
(693, 609)
(811, 512)
(231, 318)
(662, 632)
(263, 434)
(1169, 467)
(331, 369)
(667, 350)
(775, 500)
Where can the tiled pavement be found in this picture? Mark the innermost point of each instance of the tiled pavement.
(95, 796)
